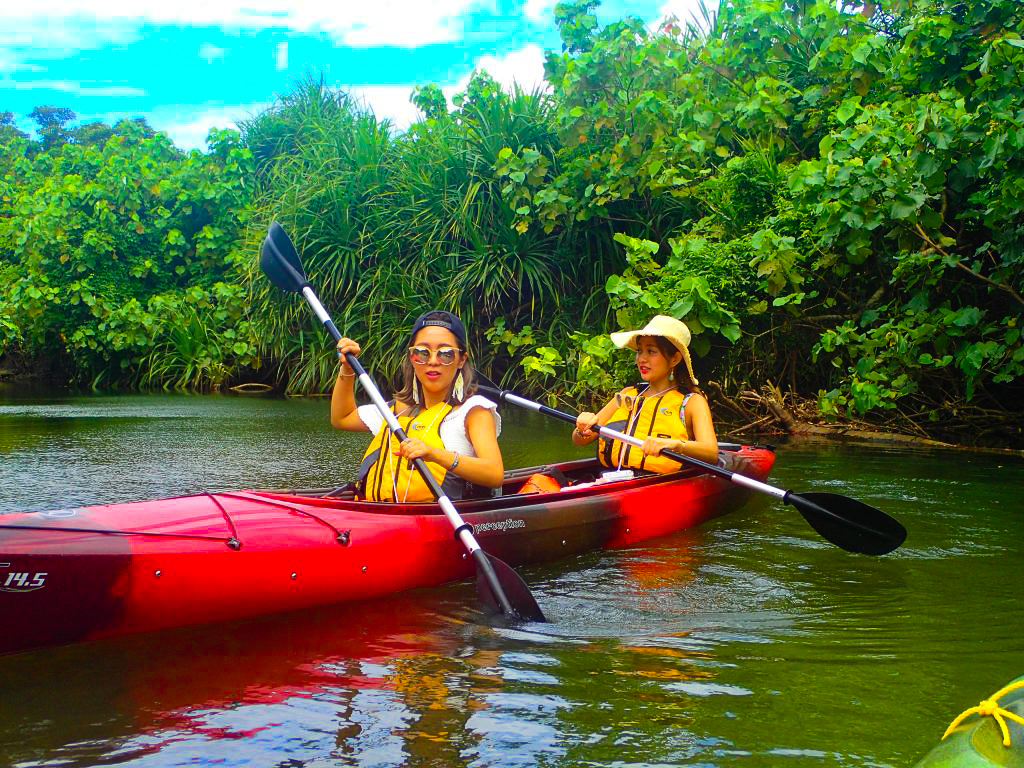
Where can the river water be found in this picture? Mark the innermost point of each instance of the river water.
(748, 642)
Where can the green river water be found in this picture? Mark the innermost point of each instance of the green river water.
(748, 642)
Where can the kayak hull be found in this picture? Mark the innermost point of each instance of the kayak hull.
(93, 572)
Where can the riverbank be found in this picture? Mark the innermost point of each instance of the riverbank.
(771, 412)
(745, 416)
(20, 370)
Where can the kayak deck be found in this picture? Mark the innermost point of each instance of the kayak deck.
(77, 574)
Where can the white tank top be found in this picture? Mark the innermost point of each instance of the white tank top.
(453, 429)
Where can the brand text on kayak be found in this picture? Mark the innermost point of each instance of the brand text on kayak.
(500, 525)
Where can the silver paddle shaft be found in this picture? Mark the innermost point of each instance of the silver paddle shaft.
(465, 534)
(612, 434)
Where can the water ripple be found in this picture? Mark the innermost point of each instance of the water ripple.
(749, 642)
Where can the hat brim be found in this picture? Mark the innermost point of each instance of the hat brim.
(624, 339)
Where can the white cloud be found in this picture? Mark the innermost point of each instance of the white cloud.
(211, 53)
(686, 11)
(525, 67)
(389, 102)
(408, 23)
(9, 63)
(392, 102)
(188, 125)
(281, 57)
(63, 23)
(42, 35)
(539, 10)
(74, 87)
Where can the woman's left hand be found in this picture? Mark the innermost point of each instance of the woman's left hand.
(411, 448)
(655, 445)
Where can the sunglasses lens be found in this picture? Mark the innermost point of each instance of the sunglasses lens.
(419, 355)
(423, 355)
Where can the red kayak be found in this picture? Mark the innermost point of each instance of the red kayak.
(69, 575)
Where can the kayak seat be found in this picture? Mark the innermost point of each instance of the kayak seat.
(540, 483)
(473, 491)
(549, 481)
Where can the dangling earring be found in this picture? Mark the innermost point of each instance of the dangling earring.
(671, 375)
(416, 390)
(459, 389)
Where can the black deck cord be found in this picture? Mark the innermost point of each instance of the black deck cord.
(52, 529)
(233, 542)
(342, 537)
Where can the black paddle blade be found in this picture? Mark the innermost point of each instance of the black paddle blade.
(524, 605)
(486, 383)
(280, 262)
(848, 523)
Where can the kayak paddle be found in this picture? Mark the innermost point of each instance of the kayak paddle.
(499, 586)
(849, 524)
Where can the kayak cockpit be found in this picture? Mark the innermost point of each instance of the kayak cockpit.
(578, 477)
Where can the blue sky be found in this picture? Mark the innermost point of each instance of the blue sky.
(189, 65)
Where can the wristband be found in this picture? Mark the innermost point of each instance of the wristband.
(455, 461)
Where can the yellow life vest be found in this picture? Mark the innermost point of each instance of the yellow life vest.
(385, 476)
(642, 417)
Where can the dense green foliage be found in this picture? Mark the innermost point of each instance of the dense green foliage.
(832, 200)
(867, 170)
(392, 225)
(121, 263)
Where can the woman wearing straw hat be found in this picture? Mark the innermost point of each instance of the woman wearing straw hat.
(667, 410)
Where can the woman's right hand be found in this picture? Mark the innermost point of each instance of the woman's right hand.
(347, 347)
(585, 424)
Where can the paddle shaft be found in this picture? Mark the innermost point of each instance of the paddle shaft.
(849, 524)
(463, 531)
(787, 497)
(611, 434)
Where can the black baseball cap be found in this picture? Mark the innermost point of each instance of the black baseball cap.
(442, 319)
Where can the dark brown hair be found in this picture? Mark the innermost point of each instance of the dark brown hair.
(683, 381)
(404, 394)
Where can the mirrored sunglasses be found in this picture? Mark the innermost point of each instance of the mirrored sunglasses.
(422, 355)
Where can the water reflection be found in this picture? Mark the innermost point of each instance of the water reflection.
(412, 680)
(185, 683)
(114, 448)
(749, 641)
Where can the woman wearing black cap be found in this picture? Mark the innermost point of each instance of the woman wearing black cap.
(454, 430)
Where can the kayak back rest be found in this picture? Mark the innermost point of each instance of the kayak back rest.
(564, 474)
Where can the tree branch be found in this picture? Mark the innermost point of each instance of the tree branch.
(956, 262)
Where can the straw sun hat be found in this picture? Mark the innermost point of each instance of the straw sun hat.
(661, 325)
